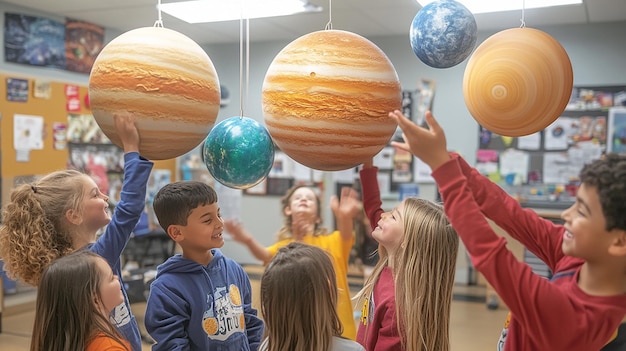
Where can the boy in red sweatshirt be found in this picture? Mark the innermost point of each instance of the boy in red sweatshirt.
(583, 304)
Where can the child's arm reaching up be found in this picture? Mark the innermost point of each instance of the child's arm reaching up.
(345, 209)
(538, 306)
(542, 237)
(241, 235)
(372, 203)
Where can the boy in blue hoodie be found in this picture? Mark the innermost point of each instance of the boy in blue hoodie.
(200, 300)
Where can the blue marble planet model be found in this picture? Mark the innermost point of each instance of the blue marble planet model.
(239, 152)
(443, 33)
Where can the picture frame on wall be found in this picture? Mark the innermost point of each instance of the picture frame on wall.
(259, 189)
(278, 186)
(616, 130)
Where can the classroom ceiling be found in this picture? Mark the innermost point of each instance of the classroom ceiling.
(369, 18)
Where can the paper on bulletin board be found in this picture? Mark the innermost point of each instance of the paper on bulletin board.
(556, 134)
(556, 167)
(422, 172)
(529, 142)
(514, 162)
(27, 132)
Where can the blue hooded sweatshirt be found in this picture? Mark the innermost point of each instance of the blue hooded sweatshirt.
(195, 307)
(110, 245)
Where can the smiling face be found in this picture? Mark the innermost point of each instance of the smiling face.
(95, 205)
(390, 230)
(203, 230)
(585, 234)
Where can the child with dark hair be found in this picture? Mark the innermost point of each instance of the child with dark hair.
(582, 306)
(199, 300)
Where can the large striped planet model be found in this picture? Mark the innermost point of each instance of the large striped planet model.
(326, 99)
(166, 80)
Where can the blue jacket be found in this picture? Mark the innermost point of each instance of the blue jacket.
(111, 244)
(195, 307)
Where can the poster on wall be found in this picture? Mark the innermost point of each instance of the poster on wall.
(17, 90)
(42, 89)
(27, 132)
(34, 41)
(83, 42)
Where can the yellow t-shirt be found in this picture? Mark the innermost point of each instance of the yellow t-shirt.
(340, 252)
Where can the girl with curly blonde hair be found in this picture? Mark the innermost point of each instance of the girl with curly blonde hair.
(63, 211)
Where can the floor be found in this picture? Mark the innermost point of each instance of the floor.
(474, 327)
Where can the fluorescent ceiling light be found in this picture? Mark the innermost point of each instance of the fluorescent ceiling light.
(199, 11)
(483, 6)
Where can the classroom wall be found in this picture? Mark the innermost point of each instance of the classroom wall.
(596, 51)
(53, 110)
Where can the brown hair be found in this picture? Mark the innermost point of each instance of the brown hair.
(299, 299)
(67, 316)
(608, 176)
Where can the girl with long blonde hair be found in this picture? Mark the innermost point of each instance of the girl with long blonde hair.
(406, 301)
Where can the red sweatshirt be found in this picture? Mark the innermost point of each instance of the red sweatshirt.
(378, 329)
(545, 315)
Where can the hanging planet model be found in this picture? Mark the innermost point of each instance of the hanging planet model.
(239, 152)
(518, 82)
(443, 33)
(326, 100)
(166, 80)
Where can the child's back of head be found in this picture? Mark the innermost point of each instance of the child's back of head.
(299, 297)
(35, 228)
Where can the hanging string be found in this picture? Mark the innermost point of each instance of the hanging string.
(243, 75)
(247, 59)
(523, 25)
(329, 25)
(241, 48)
(159, 22)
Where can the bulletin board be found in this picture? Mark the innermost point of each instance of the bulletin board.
(39, 100)
(556, 154)
(52, 109)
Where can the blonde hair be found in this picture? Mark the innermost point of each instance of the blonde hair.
(424, 277)
(67, 316)
(35, 230)
(286, 231)
(299, 299)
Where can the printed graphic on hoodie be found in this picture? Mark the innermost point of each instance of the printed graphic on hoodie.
(224, 316)
(120, 315)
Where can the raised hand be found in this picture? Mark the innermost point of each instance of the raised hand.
(346, 206)
(236, 230)
(127, 131)
(427, 144)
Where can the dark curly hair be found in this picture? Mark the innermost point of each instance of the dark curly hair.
(608, 176)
